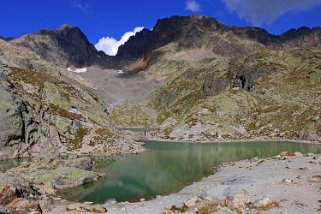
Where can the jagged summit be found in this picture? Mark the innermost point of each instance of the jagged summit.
(165, 31)
(207, 32)
(66, 46)
(181, 23)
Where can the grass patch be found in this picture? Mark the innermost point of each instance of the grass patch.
(77, 142)
(63, 113)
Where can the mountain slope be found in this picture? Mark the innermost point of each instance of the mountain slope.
(45, 112)
(272, 94)
(223, 82)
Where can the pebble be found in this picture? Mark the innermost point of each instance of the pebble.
(192, 202)
(287, 154)
(72, 207)
(86, 207)
(287, 181)
(314, 162)
(311, 155)
(99, 209)
(88, 203)
(263, 202)
(237, 200)
(298, 154)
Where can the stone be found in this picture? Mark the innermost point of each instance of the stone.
(72, 207)
(78, 162)
(314, 162)
(310, 155)
(7, 194)
(254, 159)
(81, 209)
(86, 207)
(192, 202)
(304, 168)
(62, 177)
(13, 186)
(286, 154)
(88, 202)
(23, 206)
(225, 210)
(99, 209)
(298, 154)
(263, 202)
(287, 181)
(237, 200)
(46, 204)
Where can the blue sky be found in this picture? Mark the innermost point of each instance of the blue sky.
(112, 18)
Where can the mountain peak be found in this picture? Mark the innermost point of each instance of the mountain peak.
(165, 31)
(66, 46)
(65, 26)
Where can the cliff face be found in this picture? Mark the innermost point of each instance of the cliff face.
(46, 114)
(66, 46)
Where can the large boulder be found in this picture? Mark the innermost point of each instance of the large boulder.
(13, 186)
(48, 181)
(22, 206)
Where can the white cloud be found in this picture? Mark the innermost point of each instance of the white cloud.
(110, 45)
(79, 5)
(192, 5)
(259, 12)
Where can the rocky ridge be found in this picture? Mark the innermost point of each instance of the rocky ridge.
(67, 46)
(190, 32)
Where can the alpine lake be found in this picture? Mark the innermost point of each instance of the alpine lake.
(167, 167)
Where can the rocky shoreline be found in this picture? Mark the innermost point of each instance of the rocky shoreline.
(287, 183)
(32, 187)
(158, 139)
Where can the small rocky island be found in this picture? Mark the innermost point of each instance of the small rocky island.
(198, 82)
